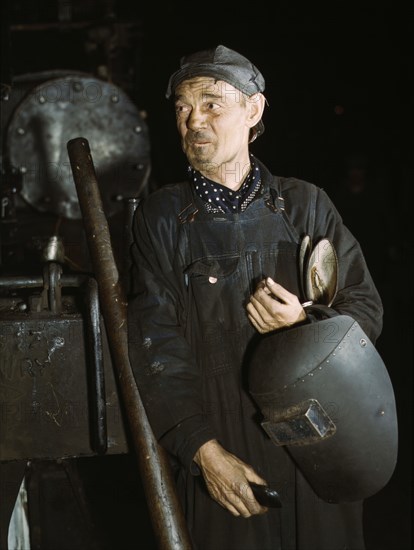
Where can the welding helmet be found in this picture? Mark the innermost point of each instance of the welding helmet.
(326, 396)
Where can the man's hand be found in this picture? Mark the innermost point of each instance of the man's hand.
(273, 307)
(227, 479)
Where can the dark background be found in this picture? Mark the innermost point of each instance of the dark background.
(339, 114)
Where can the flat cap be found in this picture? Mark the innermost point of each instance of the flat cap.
(220, 63)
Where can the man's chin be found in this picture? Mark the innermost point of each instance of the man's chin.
(206, 167)
(202, 163)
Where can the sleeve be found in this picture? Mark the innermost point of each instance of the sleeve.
(166, 373)
(357, 295)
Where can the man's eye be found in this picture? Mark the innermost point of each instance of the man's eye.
(212, 106)
(181, 109)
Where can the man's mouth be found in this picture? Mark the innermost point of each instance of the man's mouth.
(199, 140)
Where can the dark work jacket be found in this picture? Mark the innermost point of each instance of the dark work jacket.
(190, 340)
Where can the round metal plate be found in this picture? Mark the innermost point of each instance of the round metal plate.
(61, 109)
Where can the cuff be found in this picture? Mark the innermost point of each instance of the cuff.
(184, 440)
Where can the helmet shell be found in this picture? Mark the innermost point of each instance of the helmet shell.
(325, 394)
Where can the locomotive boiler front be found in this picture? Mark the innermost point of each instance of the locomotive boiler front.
(59, 395)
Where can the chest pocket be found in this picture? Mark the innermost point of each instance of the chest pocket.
(218, 313)
(215, 286)
(279, 262)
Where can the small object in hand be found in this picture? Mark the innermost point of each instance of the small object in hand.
(265, 495)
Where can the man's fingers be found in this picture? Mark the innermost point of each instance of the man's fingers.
(272, 307)
(255, 324)
(228, 506)
(279, 291)
(239, 500)
(240, 507)
(245, 503)
(258, 316)
(266, 306)
(256, 309)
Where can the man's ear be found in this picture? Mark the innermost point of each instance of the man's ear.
(256, 104)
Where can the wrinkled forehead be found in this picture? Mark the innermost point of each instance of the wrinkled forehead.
(205, 87)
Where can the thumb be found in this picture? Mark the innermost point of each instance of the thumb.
(277, 290)
(271, 285)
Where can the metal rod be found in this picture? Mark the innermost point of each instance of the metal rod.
(38, 281)
(167, 518)
(54, 271)
(96, 375)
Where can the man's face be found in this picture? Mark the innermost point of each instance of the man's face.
(213, 120)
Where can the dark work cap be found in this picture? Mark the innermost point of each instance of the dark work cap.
(220, 63)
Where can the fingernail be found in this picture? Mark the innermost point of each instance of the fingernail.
(270, 281)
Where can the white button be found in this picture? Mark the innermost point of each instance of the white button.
(212, 280)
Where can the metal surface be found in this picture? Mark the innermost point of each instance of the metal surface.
(304, 423)
(96, 372)
(166, 514)
(59, 109)
(333, 362)
(52, 272)
(54, 402)
(44, 391)
(27, 281)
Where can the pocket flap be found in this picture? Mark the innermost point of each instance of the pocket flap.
(217, 267)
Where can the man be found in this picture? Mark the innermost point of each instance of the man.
(215, 267)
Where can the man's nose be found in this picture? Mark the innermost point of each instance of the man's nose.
(197, 120)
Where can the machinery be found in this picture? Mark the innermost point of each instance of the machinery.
(58, 394)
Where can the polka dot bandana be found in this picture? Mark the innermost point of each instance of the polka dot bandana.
(219, 198)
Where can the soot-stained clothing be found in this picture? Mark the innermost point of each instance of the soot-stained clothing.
(190, 340)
